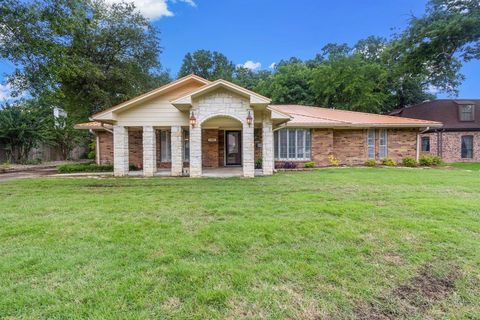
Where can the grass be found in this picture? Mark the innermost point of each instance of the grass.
(333, 243)
(466, 165)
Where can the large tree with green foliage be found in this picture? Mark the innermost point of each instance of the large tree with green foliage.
(207, 64)
(434, 45)
(80, 55)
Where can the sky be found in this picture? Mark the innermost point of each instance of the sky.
(259, 33)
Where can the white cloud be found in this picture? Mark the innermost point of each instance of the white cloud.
(249, 64)
(5, 92)
(153, 9)
(272, 65)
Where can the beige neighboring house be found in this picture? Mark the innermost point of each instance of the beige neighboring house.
(193, 125)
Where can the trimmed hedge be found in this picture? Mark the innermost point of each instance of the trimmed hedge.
(409, 162)
(84, 167)
(429, 161)
(370, 163)
(310, 164)
(388, 162)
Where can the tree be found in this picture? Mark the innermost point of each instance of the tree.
(81, 55)
(290, 83)
(207, 64)
(435, 44)
(21, 129)
(60, 133)
(350, 83)
(248, 78)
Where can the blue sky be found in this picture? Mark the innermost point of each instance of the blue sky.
(266, 31)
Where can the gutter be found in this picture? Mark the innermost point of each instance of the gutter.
(418, 142)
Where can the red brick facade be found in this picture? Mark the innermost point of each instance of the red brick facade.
(348, 146)
(448, 145)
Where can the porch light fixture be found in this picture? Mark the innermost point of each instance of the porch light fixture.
(249, 118)
(193, 120)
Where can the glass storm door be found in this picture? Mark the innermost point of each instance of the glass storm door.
(233, 148)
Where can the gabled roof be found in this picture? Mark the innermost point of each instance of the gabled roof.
(444, 110)
(186, 100)
(151, 94)
(307, 116)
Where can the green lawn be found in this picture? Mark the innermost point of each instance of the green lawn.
(332, 243)
(466, 165)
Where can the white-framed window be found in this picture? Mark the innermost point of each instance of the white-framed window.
(186, 145)
(165, 146)
(371, 143)
(292, 144)
(466, 112)
(382, 145)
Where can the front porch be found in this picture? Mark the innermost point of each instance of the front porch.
(225, 150)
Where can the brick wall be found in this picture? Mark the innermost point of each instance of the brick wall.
(349, 146)
(135, 148)
(210, 149)
(105, 139)
(450, 144)
(257, 138)
(402, 143)
(221, 148)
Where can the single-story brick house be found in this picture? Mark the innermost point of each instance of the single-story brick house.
(192, 124)
(458, 140)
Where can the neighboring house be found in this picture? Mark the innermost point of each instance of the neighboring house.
(459, 137)
(192, 124)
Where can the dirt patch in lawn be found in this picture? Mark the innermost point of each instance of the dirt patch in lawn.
(413, 298)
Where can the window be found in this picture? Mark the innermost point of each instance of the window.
(467, 147)
(371, 143)
(165, 146)
(466, 112)
(426, 144)
(292, 144)
(382, 151)
(186, 145)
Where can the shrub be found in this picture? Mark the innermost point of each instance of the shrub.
(310, 164)
(258, 164)
(133, 167)
(370, 163)
(388, 162)
(436, 161)
(409, 162)
(426, 161)
(333, 161)
(84, 167)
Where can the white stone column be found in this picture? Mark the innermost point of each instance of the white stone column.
(248, 156)
(120, 151)
(149, 151)
(267, 147)
(177, 152)
(195, 151)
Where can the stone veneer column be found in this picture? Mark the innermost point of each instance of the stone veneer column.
(176, 147)
(248, 156)
(196, 151)
(120, 151)
(149, 151)
(267, 147)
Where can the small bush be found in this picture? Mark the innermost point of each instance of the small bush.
(428, 161)
(333, 161)
(258, 164)
(33, 162)
(388, 162)
(370, 163)
(84, 167)
(409, 162)
(310, 164)
(133, 167)
(436, 161)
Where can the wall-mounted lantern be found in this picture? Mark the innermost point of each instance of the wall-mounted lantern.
(193, 120)
(249, 118)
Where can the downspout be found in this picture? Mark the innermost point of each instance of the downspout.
(418, 142)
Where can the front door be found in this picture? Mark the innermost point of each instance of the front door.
(233, 148)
